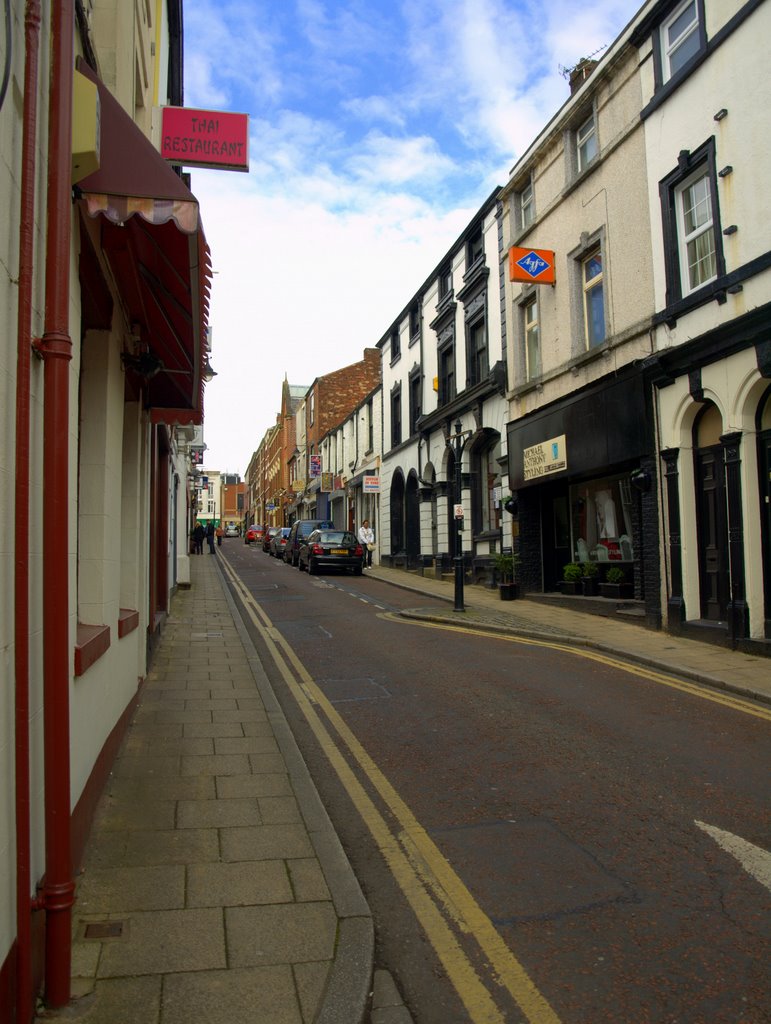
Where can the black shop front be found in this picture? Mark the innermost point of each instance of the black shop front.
(583, 473)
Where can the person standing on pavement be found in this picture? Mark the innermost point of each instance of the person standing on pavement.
(219, 531)
(210, 537)
(198, 535)
(367, 541)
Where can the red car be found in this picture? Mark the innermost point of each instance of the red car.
(254, 533)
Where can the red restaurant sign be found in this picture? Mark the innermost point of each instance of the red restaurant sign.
(205, 138)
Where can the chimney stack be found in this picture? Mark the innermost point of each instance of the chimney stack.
(580, 73)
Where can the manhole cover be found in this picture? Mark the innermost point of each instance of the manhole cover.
(104, 930)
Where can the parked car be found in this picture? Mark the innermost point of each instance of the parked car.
(331, 549)
(254, 534)
(231, 530)
(268, 536)
(278, 542)
(300, 530)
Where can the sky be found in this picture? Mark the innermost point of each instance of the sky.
(377, 129)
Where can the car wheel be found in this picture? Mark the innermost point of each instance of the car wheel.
(357, 571)
(312, 568)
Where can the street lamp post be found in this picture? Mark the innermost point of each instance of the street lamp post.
(458, 442)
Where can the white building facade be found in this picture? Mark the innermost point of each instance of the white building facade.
(444, 365)
(708, 152)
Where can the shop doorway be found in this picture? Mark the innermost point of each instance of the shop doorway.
(556, 547)
(711, 516)
(764, 464)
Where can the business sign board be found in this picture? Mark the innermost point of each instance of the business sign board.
(315, 465)
(545, 458)
(370, 484)
(205, 138)
(327, 481)
(535, 266)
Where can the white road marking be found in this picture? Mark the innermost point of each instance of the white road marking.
(754, 859)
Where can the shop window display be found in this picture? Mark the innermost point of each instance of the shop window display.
(601, 520)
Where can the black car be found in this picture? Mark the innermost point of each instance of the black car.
(300, 531)
(331, 549)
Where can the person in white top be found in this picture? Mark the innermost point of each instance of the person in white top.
(367, 541)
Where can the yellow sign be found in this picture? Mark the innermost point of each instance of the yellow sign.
(545, 458)
(85, 127)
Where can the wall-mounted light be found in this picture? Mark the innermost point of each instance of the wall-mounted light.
(720, 114)
(208, 373)
(725, 171)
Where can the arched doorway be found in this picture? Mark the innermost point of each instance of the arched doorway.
(412, 520)
(397, 513)
(711, 517)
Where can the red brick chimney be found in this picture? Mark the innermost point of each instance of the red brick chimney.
(580, 73)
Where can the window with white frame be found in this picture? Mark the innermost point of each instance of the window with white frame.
(693, 240)
(586, 143)
(532, 336)
(526, 203)
(680, 38)
(593, 299)
(695, 231)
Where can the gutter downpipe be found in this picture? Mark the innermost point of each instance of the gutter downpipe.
(24, 901)
(56, 348)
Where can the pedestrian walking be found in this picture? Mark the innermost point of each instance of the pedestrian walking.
(210, 537)
(198, 535)
(367, 541)
(219, 531)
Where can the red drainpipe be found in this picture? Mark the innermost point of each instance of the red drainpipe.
(56, 349)
(24, 903)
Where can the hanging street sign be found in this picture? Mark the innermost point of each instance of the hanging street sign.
(205, 138)
(536, 266)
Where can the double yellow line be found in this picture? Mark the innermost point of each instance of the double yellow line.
(699, 690)
(444, 907)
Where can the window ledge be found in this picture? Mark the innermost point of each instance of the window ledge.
(91, 643)
(128, 621)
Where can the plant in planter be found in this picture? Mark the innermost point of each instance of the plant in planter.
(614, 584)
(590, 580)
(571, 578)
(505, 565)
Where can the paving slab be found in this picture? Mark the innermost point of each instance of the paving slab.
(214, 887)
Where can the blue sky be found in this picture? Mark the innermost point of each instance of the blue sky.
(377, 129)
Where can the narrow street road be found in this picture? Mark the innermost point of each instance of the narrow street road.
(541, 836)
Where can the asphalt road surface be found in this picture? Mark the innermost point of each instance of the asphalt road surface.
(542, 836)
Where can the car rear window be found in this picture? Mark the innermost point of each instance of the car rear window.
(336, 537)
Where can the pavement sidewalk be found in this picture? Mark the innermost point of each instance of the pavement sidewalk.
(745, 674)
(214, 887)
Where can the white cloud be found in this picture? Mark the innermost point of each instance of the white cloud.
(376, 133)
(384, 160)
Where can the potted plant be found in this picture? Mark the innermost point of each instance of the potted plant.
(614, 584)
(590, 581)
(505, 563)
(571, 578)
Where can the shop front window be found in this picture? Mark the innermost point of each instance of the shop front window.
(601, 520)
